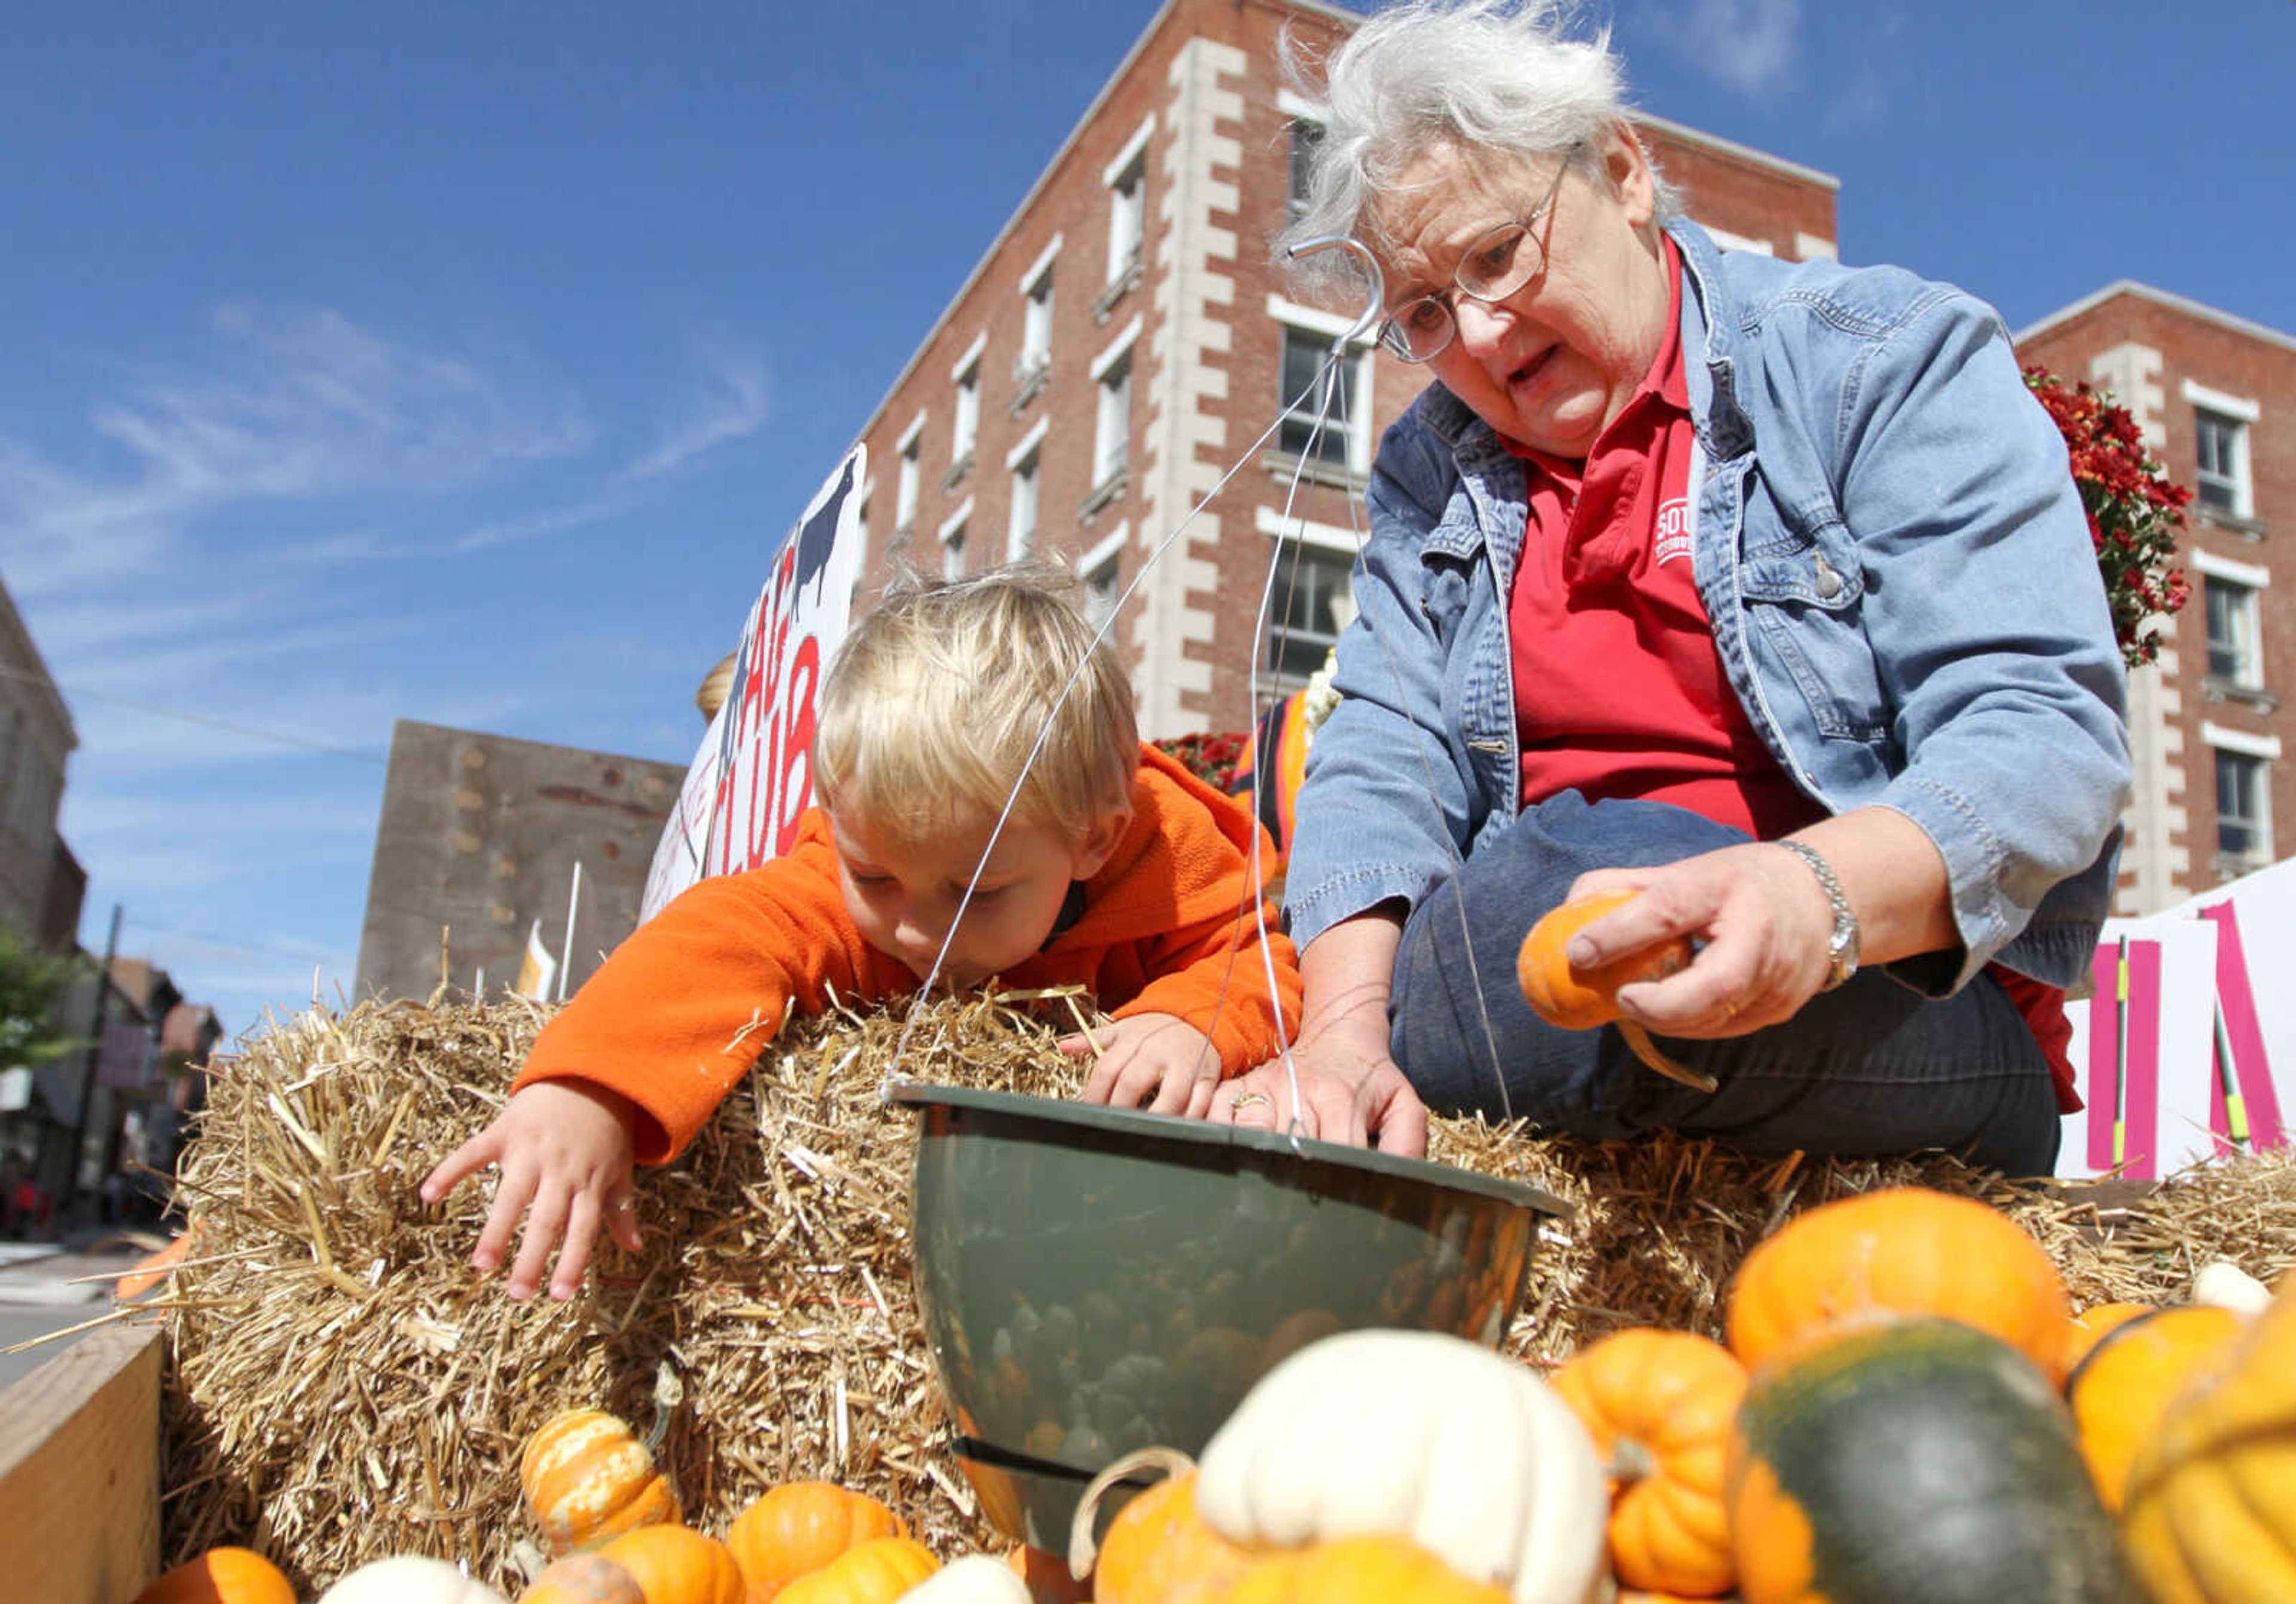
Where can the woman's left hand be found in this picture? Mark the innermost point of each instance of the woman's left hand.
(1763, 923)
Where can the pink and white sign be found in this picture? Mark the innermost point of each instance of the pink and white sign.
(752, 778)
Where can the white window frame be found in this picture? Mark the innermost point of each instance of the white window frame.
(906, 484)
(1296, 109)
(952, 536)
(2251, 579)
(1036, 315)
(966, 374)
(1026, 464)
(1309, 321)
(1126, 179)
(1103, 577)
(1111, 436)
(2262, 750)
(2237, 478)
(1728, 241)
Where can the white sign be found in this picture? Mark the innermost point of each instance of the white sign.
(752, 778)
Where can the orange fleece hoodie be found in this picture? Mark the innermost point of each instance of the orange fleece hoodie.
(675, 1016)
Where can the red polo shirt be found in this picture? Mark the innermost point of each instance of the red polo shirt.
(1619, 687)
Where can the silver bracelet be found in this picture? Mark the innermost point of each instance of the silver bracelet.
(1841, 950)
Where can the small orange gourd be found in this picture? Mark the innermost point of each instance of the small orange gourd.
(1660, 1405)
(2120, 1391)
(583, 1579)
(221, 1575)
(1360, 1570)
(1158, 1549)
(676, 1565)
(2094, 1324)
(1903, 1251)
(1578, 999)
(800, 1527)
(587, 1477)
(876, 1572)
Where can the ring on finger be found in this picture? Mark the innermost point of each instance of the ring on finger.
(1254, 1100)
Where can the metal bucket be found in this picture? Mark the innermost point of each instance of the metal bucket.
(1095, 1280)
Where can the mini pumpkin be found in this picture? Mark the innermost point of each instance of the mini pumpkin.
(1578, 999)
(583, 1579)
(1360, 1570)
(876, 1572)
(1658, 1405)
(676, 1565)
(2211, 1508)
(1903, 1251)
(975, 1579)
(1158, 1549)
(587, 1477)
(409, 1579)
(221, 1575)
(2119, 1391)
(2094, 1324)
(800, 1527)
(1416, 1434)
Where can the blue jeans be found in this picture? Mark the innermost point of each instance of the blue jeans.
(1871, 1067)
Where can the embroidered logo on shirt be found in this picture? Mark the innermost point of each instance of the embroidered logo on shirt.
(1673, 530)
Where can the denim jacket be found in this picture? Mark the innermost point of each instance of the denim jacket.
(1900, 581)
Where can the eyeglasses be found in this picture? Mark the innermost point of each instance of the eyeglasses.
(1494, 266)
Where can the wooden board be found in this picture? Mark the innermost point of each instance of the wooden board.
(80, 1471)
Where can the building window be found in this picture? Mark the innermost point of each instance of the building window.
(1111, 441)
(1035, 358)
(952, 541)
(2223, 476)
(905, 487)
(1307, 608)
(2243, 811)
(1306, 133)
(2232, 615)
(1020, 532)
(1302, 400)
(1127, 209)
(966, 434)
(1102, 569)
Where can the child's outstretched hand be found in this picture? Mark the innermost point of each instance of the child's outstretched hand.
(1147, 1056)
(564, 1150)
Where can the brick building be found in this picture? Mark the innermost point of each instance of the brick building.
(1124, 340)
(2216, 397)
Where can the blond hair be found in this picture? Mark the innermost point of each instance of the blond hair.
(938, 698)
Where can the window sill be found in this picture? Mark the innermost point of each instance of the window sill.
(957, 472)
(1315, 471)
(2215, 688)
(2230, 866)
(1108, 489)
(1029, 384)
(2232, 523)
(1117, 288)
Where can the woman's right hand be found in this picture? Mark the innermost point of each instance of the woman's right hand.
(1349, 1090)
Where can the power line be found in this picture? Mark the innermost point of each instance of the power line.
(209, 721)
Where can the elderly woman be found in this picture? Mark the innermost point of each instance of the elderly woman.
(1759, 586)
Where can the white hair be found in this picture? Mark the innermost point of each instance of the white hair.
(1503, 77)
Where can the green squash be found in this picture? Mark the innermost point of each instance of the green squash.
(1915, 1461)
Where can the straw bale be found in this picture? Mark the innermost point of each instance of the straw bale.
(342, 1385)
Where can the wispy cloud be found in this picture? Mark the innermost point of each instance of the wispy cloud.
(541, 525)
(1748, 44)
(730, 404)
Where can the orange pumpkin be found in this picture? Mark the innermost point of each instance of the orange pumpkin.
(221, 1575)
(2211, 1508)
(2121, 1390)
(149, 1271)
(1158, 1549)
(583, 1579)
(1658, 1405)
(2092, 1323)
(676, 1565)
(1580, 999)
(1902, 1250)
(876, 1572)
(800, 1527)
(587, 1477)
(1360, 1570)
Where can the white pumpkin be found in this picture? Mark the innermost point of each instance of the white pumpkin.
(2225, 1284)
(1417, 1435)
(975, 1579)
(409, 1579)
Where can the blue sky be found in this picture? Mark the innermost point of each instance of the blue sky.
(465, 362)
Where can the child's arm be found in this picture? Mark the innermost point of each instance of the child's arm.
(1146, 1055)
(563, 1151)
